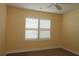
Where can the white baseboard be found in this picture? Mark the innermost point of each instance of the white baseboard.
(36, 49)
(77, 53)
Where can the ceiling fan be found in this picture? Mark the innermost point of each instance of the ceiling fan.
(57, 5)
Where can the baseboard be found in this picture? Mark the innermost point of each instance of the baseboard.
(77, 53)
(36, 49)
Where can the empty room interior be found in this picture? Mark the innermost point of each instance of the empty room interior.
(39, 29)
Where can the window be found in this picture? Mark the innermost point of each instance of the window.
(31, 23)
(31, 28)
(31, 34)
(44, 29)
(36, 28)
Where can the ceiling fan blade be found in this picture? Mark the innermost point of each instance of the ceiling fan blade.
(59, 7)
(49, 6)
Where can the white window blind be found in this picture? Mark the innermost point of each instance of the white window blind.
(44, 34)
(44, 24)
(31, 23)
(31, 34)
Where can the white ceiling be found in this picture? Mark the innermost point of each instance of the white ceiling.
(36, 6)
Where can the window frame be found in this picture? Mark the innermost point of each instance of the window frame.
(40, 29)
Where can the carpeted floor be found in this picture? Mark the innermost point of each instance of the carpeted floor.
(49, 52)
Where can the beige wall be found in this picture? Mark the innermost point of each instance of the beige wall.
(2, 27)
(15, 30)
(70, 27)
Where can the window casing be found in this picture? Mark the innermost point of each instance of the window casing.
(37, 29)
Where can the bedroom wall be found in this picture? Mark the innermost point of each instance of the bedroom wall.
(15, 30)
(2, 27)
(70, 27)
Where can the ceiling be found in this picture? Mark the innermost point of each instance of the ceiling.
(67, 7)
